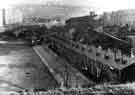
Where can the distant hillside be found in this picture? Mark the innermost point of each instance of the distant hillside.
(49, 11)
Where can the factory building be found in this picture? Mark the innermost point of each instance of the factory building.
(10, 16)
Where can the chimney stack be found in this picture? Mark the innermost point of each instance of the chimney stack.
(4, 16)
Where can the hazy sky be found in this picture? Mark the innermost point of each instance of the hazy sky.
(99, 5)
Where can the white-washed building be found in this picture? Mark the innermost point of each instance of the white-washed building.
(13, 16)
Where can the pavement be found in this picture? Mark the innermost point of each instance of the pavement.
(21, 68)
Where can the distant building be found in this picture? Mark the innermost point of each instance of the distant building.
(1, 18)
(13, 16)
(120, 17)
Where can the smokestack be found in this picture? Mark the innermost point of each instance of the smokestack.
(4, 16)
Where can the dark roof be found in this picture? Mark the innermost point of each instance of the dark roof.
(84, 18)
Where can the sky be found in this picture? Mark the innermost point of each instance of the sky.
(99, 6)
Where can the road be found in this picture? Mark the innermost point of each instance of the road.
(21, 68)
